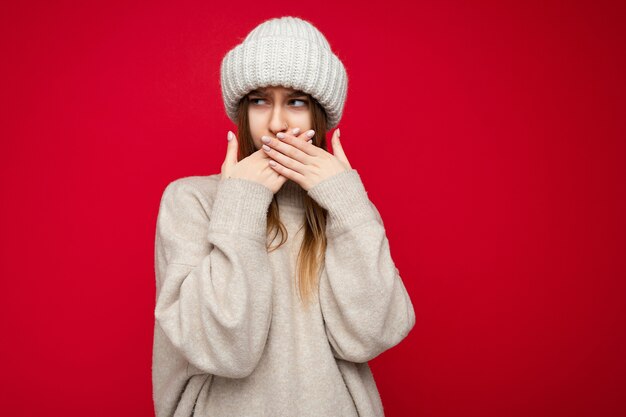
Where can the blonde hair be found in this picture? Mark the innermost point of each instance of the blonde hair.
(311, 254)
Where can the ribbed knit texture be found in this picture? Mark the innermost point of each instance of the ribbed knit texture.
(231, 337)
(288, 52)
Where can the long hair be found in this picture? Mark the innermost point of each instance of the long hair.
(311, 254)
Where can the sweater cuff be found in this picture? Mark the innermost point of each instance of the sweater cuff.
(240, 207)
(345, 198)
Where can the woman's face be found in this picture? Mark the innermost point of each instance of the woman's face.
(272, 108)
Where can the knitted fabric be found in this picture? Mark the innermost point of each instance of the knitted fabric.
(231, 336)
(288, 52)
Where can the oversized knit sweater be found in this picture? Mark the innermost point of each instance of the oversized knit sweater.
(231, 336)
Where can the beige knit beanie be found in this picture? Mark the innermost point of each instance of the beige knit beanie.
(289, 52)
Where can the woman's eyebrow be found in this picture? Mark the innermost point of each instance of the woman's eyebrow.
(263, 93)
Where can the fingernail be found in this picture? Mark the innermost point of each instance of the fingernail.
(230, 136)
(310, 133)
(265, 139)
(310, 140)
(280, 135)
(296, 131)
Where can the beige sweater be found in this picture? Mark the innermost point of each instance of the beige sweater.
(231, 337)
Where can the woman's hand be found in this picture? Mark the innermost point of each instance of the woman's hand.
(253, 167)
(295, 158)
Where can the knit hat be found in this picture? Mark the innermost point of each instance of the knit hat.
(289, 52)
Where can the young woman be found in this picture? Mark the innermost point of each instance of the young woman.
(245, 325)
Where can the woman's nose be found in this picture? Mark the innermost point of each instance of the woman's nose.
(278, 123)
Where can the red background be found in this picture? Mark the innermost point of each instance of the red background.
(490, 135)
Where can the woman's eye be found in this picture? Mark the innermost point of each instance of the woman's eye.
(255, 101)
(304, 102)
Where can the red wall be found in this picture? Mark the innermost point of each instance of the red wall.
(490, 135)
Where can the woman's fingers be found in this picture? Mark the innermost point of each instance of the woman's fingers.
(231, 150)
(338, 149)
(230, 160)
(287, 145)
(301, 143)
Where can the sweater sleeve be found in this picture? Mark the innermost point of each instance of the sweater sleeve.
(365, 305)
(214, 283)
